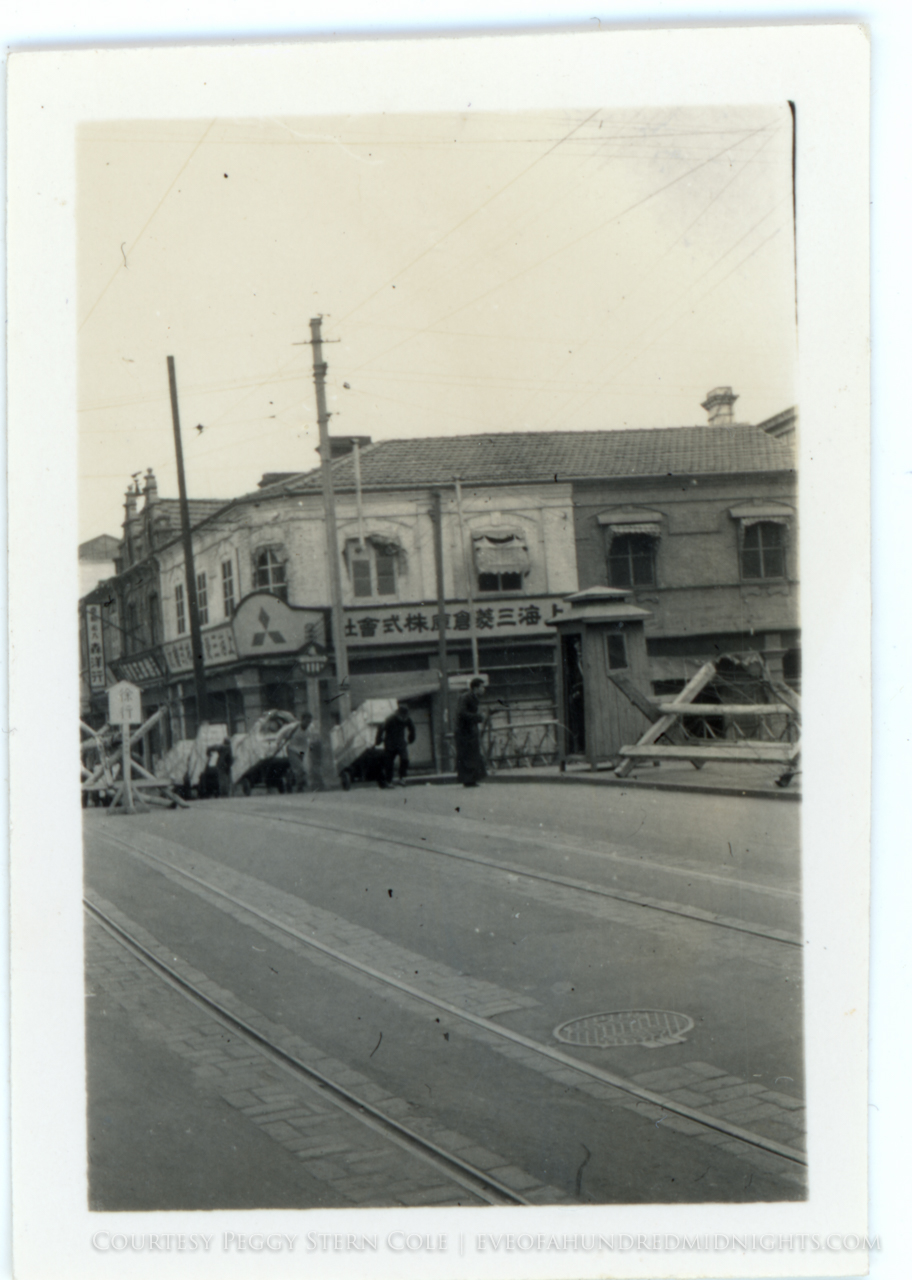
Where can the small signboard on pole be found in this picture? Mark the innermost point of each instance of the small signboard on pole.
(124, 704)
(125, 709)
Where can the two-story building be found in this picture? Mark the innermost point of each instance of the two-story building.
(699, 523)
(120, 617)
(508, 557)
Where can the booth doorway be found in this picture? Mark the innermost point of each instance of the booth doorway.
(574, 694)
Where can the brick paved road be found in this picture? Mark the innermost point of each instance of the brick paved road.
(550, 954)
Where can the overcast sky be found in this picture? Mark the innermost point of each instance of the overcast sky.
(582, 270)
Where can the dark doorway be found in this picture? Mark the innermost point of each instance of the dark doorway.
(574, 700)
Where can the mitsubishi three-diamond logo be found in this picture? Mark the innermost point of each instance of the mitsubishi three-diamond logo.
(259, 637)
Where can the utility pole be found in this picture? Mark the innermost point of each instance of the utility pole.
(329, 511)
(467, 568)
(196, 639)
(443, 746)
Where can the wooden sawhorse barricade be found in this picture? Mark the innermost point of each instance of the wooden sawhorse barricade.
(666, 718)
(134, 787)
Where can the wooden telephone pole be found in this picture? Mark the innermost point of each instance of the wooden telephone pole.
(329, 512)
(196, 638)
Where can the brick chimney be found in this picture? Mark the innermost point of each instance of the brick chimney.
(718, 405)
(130, 498)
(150, 489)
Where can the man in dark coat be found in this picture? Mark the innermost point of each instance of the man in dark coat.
(223, 765)
(470, 765)
(396, 735)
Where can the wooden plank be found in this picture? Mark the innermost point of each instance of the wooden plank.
(694, 686)
(729, 708)
(750, 752)
(633, 694)
(147, 726)
(787, 695)
(675, 733)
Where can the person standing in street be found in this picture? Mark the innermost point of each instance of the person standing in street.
(298, 747)
(470, 765)
(395, 735)
(223, 762)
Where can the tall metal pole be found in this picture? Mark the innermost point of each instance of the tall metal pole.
(467, 568)
(196, 638)
(329, 511)
(443, 746)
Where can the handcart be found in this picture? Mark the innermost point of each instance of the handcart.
(355, 755)
(185, 763)
(260, 758)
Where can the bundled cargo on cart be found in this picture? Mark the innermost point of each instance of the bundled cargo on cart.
(260, 756)
(355, 756)
(187, 761)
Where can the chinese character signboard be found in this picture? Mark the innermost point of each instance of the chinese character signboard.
(95, 645)
(218, 646)
(124, 704)
(418, 623)
(142, 670)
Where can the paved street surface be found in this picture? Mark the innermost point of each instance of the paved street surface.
(418, 948)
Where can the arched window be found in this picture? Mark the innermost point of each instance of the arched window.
(631, 560)
(374, 566)
(269, 573)
(501, 560)
(763, 550)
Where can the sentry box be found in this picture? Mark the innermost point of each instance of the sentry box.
(601, 645)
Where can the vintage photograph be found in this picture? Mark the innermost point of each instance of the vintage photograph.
(440, 659)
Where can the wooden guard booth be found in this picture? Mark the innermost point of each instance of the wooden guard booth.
(600, 632)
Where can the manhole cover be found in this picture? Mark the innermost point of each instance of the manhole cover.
(649, 1028)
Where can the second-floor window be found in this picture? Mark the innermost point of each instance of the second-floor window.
(269, 573)
(202, 598)
(631, 560)
(154, 620)
(501, 560)
(373, 568)
(228, 598)
(134, 640)
(763, 550)
(180, 611)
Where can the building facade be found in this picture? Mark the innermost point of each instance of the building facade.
(697, 524)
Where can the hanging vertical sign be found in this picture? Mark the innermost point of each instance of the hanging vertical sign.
(95, 645)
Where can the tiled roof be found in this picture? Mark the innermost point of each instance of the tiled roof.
(530, 457)
(199, 509)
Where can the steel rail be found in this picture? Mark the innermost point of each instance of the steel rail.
(582, 886)
(458, 1170)
(486, 1024)
(690, 873)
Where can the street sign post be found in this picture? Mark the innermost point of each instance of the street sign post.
(125, 709)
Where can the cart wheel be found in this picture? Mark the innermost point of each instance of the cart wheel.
(245, 786)
(346, 779)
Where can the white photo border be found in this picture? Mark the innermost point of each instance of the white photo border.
(824, 71)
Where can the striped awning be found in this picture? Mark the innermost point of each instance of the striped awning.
(507, 554)
(762, 513)
(775, 519)
(654, 530)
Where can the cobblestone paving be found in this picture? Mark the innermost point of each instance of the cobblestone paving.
(774, 1115)
(705, 1088)
(363, 1165)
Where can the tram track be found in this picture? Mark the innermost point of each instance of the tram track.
(464, 1174)
(488, 1025)
(684, 910)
